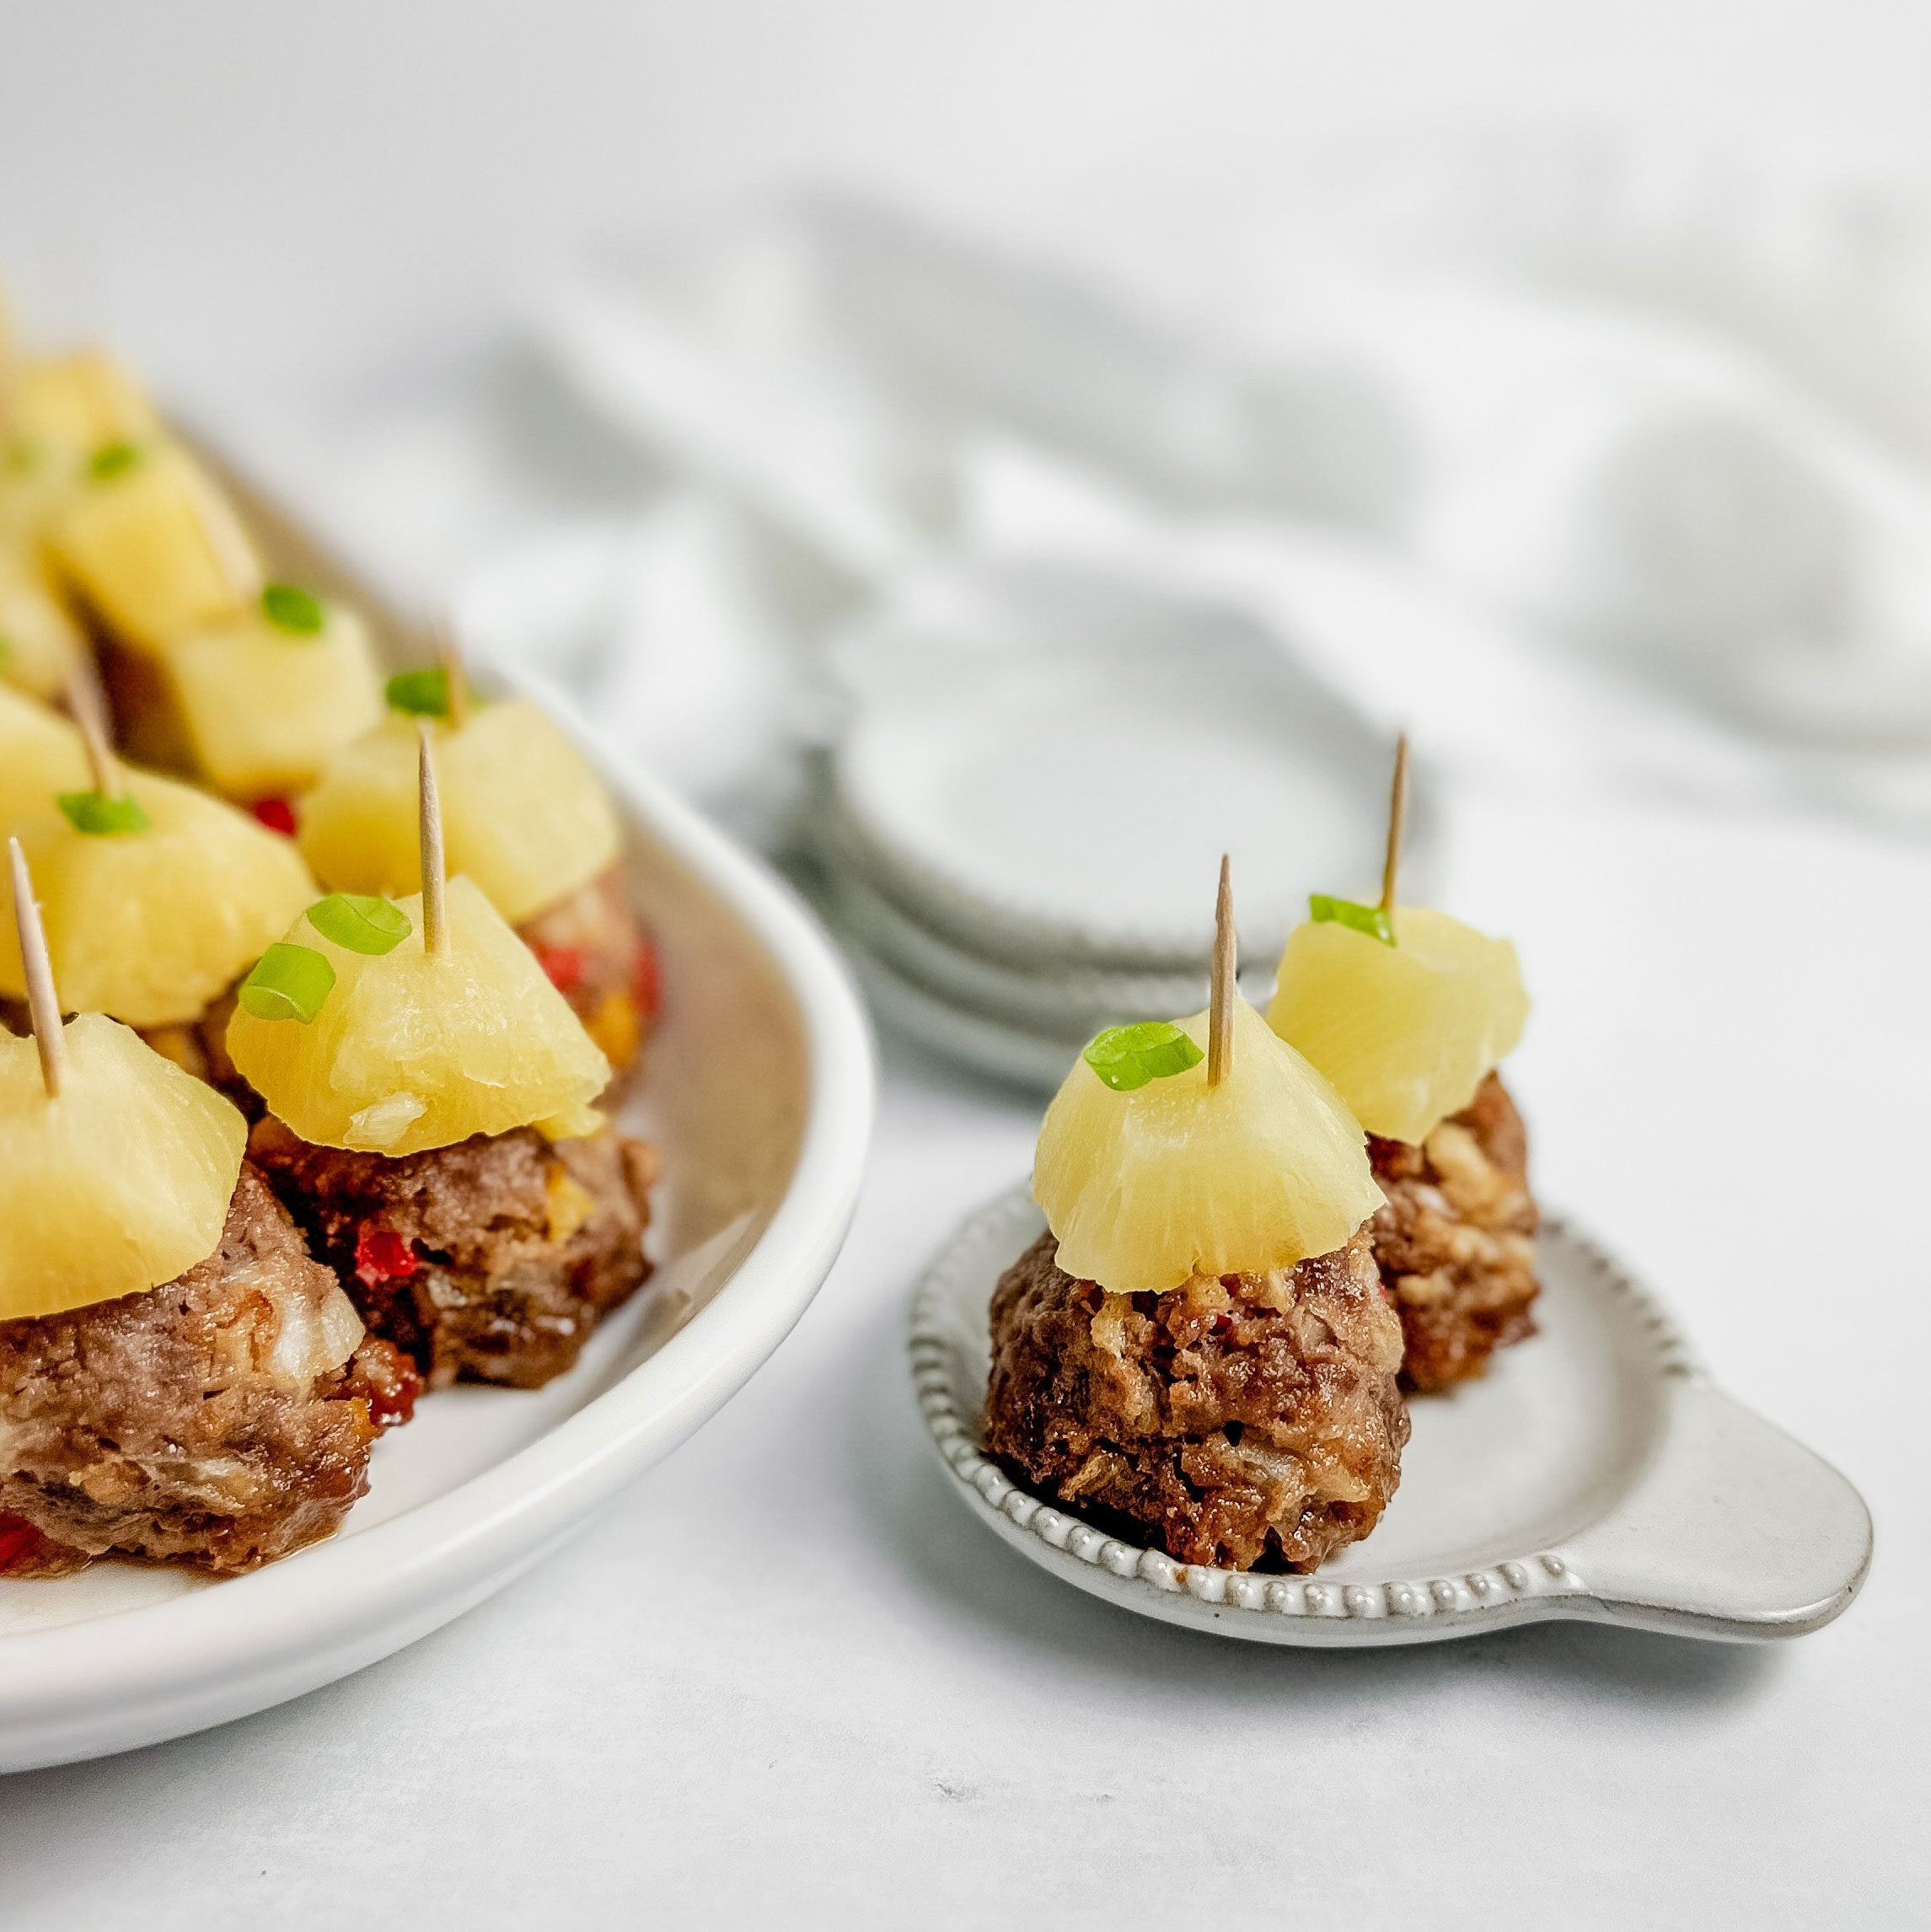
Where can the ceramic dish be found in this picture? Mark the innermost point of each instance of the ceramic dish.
(760, 1094)
(984, 783)
(1595, 1472)
(1072, 1003)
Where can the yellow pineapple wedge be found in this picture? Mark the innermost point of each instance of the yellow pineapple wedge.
(523, 814)
(40, 641)
(1174, 1178)
(40, 755)
(151, 923)
(153, 546)
(1406, 1032)
(63, 409)
(267, 698)
(118, 1183)
(405, 1049)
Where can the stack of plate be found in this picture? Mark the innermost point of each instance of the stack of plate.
(1024, 818)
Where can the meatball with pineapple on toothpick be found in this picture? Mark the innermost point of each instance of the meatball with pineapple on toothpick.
(526, 819)
(1408, 1012)
(157, 899)
(1197, 1353)
(178, 1379)
(430, 1123)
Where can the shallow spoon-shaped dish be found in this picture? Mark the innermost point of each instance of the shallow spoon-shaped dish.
(1596, 1472)
(758, 1092)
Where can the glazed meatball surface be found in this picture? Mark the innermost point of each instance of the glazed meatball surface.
(490, 1261)
(1235, 1421)
(208, 1421)
(1455, 1242)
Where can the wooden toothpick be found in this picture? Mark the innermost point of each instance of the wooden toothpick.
(435, 933)
(43, 1007)
(85, 702)
(1221, 1000)
(449, 654)
(1397, 815)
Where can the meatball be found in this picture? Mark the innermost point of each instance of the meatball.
(1456, 1240)
(604, 963)
(208, 1421)
(488, 1261)
(1235, 1421)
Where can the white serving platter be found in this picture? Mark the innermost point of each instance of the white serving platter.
(759, 1093)
(1595, 1472)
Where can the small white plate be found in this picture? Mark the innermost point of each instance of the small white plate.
(1051, 776)
(1595, 1472)
(760, 1094)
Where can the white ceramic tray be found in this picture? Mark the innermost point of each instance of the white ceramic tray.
(1596, 1473)
(760, 1092)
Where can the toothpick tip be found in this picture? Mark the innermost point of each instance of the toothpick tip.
(1226, 987)
(43, 1004)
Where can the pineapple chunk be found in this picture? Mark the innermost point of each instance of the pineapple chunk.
(64, 408)
(264, 708)
(1407, 1032)
(40, 642)
(119, 1184)
(1148, 1188)
(40, 755)
(151, 926)
(155, 549)
(411, 1049)
(523, 814)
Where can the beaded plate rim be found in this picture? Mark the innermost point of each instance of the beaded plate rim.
(1531, 1585)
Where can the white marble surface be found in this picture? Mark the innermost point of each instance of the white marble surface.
(789, 1676)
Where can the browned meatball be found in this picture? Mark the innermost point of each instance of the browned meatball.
(208, 1421)
(1234, 1421)
(1456, 1241)
(490, 1260)
(604, 963)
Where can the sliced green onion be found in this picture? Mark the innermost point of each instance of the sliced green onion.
(1127, 1057)
(95, 812)
(423, 694)
(288, 607)
(1368, 919)
(359, 924)
(23, 456)
(288, 983)
(112, 459)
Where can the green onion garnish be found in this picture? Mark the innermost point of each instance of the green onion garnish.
(423, 694)
(1368, 919)
(1127, 1057)
(288, 607)
(288, 983)
(95, 812)
(112, 459)
(23, 457)
(359, 924)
